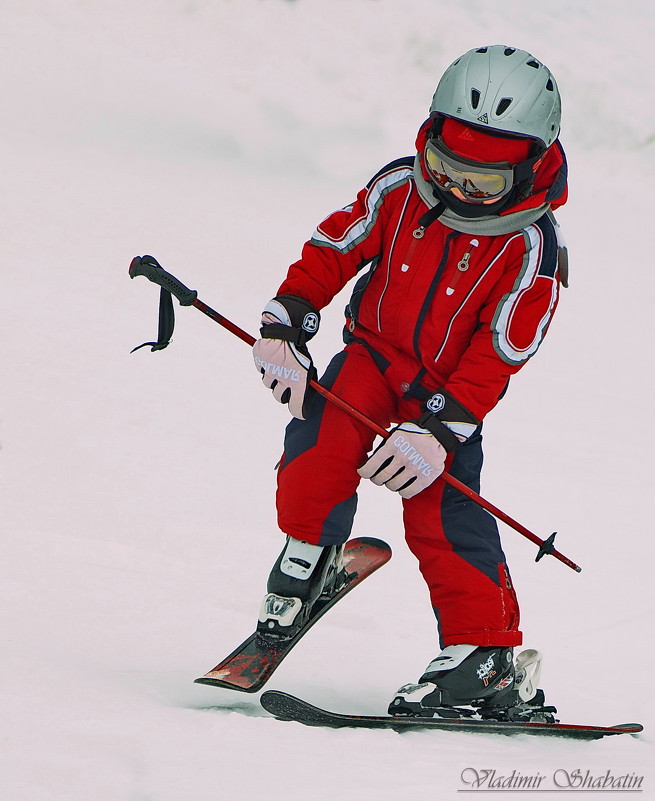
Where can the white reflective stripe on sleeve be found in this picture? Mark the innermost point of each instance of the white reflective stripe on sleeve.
(502, 322)
(359, 229)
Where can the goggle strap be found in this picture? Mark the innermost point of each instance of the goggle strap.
(525, 169)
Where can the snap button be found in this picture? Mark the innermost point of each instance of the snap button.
(404, 386)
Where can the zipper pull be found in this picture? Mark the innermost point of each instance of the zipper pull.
(463, 263)
(419, 233)
(462, 266)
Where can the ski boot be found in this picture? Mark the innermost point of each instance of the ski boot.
(302, 576)
(474, 681)
(458, 679)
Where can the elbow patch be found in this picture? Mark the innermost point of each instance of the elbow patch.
(523, 314)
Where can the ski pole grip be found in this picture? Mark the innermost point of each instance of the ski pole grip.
(153, 271)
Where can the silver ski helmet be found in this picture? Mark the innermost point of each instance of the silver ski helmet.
(502, 89)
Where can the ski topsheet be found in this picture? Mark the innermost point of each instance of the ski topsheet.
(287, 707)
(252, 664)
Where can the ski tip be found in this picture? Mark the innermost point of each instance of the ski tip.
(283, 706)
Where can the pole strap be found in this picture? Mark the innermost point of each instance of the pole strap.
(166, 323)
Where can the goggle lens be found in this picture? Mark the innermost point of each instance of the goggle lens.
(476, 183)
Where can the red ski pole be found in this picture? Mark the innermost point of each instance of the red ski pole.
(150, 269)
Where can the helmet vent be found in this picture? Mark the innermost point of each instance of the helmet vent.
(475, 98)
(482, 50)
(510, 51)
(504, 104)
(533, 63)
(549, 85)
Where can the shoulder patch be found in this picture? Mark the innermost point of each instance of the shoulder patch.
(345, 234)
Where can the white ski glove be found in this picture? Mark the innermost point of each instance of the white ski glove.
(281, 355)
(408, 461)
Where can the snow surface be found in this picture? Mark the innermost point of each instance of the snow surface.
(138, 489)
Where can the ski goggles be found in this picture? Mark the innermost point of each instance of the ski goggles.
(476, 181)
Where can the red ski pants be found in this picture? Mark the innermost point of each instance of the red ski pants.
(455, 541)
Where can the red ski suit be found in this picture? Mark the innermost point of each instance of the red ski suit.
(436, 309)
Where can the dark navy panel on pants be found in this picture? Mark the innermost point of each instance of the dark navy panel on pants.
(469, 528)
(301, 435)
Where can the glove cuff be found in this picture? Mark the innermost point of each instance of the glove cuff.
(447, 420)
(299, 319)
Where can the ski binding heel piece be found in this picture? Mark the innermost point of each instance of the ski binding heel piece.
(527, 673)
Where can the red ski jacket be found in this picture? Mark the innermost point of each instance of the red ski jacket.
(438, 308)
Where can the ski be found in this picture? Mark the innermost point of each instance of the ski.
(252, 664)
(287, 707)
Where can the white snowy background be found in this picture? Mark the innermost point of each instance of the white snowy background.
(137, 490)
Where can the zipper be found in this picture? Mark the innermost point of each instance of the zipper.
(432, 291)
(462, 267)
(390, 256)
(417, 234)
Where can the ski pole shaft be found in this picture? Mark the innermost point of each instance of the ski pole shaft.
(189, 297)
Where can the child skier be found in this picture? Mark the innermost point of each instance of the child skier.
(458, 252)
